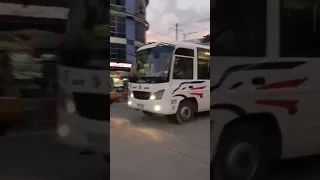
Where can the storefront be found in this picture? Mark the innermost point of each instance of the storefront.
(119, 73)
(115, 66)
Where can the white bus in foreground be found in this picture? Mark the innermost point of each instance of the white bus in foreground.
(171, 79)
(84, 80)
(265, 86)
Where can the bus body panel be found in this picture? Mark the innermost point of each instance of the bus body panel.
(176, 90)
(149, 105)
(282, 80)
(84, 134)
(198, 89)
(73, 129)
(84, 80)
(290, 94)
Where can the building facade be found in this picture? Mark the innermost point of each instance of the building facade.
(46, 15)
(128, 28)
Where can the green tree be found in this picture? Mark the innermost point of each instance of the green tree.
(206, 38)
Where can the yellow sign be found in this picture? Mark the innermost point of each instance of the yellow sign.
(101, 30)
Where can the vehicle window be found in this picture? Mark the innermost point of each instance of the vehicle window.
(239, 28)
(185, 52)
(299, 28)
(183, 68)
(203, 63)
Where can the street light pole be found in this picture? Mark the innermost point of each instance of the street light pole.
(186, 34)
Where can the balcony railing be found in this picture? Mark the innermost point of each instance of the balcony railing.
(117, 8)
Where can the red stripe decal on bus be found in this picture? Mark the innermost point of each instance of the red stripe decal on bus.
(197, 94)
(286, 104)
(198, 88)
(285, 84)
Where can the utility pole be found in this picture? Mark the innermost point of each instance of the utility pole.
(177, 31)
(186, 34)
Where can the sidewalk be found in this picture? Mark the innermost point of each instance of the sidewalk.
(135, 155)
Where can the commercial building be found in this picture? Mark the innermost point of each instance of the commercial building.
(128, 28)
(44, 15)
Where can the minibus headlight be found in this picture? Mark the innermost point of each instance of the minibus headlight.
(157, 95)
(65, 101)
(130, 94)
(70, 106)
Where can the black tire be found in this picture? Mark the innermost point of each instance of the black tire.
(107, 158)
(249, 139)
(148, 113)
(178, 117)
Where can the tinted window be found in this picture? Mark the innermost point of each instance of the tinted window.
(239, 28)
(300, 31)
(203, 56)
(118, 2)
(183, 68)
(185, 52)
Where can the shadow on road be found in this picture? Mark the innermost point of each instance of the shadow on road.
(42, 157)
(297, 169)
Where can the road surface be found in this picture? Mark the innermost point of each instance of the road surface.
(38, 156)
(297, 169)
(152, 148)
(146, 147)
(140, 148)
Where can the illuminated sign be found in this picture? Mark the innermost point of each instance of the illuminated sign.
(121, 65)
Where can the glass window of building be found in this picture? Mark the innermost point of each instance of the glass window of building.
(118, 52)
(118, 2)
(118, 5)
(117, 26)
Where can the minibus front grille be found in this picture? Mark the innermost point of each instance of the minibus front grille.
(141, 95)
(93, 106)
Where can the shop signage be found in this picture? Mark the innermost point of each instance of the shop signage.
(121, 65)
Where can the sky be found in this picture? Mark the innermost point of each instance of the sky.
(162, 15)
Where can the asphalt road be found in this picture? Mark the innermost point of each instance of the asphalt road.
(141, 147)
(152, 148)
(38, 156)
(184, 141)
(307, 168)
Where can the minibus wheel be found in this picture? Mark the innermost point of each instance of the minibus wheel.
(185, 112)
(242, 153)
